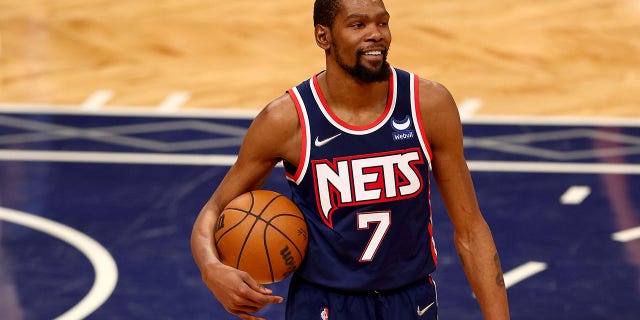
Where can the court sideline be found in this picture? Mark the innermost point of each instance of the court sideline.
(117, 120)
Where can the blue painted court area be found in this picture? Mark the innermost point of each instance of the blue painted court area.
(562, 200)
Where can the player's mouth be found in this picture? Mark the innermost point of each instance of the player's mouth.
(373, 53)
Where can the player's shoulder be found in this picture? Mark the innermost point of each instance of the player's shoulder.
(280, 111)
(435, 96)
(438, 111)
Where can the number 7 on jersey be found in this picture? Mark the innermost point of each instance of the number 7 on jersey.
(382, 219)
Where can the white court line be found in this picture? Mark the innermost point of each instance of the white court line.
(128, 111)
(228, 160)
(627, 235)
(174, 101)
(522, 272)
(211, 112)
(106, 270)
(469, 107)
(575, 195)
(97, 100)
(117, 157)
(553, 167)
(554, 120)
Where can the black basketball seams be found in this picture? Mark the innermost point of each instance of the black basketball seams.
(266, 247)
(269, 217)
(216, 241)
(244, 243)
(269, 224)
(258, 218)
(264, 238)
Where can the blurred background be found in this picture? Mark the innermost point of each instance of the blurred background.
(548, 57)
(118, 119)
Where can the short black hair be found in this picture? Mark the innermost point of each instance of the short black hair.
(325, 12)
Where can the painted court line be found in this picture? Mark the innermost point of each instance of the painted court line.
(97, 100)
(553, 167)
(554, 120)
(227, 112)
(523, 272)
(128, 111)
(228, 160)
(174, 101)
(575, 195)
(118, 157)
(106, 270)
(627, 235)
(469, 107)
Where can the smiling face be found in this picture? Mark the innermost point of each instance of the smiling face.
(359, 39)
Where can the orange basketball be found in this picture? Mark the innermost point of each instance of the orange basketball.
(263, 233)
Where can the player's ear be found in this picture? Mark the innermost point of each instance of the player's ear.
(323, 36)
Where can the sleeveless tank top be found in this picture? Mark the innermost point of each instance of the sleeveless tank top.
(364, 191)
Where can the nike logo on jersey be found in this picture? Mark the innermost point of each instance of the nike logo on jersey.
(421, 312)
(320, 143)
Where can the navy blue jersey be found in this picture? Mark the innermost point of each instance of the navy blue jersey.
(364, 191)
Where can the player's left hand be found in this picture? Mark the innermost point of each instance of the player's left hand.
(238, 292)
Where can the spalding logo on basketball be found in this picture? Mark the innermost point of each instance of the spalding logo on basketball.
(263, 233)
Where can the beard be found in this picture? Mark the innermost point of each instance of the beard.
(363, 73)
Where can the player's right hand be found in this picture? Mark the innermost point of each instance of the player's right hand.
(237, 291)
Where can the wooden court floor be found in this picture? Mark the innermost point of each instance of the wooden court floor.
(545, 57)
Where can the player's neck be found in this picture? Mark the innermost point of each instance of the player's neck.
(344, 91)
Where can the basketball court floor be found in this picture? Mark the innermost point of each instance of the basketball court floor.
(119, 118)
(97, 209)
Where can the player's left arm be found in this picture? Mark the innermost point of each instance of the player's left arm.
(472, 236)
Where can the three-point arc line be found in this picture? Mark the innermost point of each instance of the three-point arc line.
(106, 270)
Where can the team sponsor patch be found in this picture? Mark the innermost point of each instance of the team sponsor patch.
(402, 129)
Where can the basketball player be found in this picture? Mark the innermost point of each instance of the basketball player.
(359, 142)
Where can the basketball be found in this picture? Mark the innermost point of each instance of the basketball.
(263, 233)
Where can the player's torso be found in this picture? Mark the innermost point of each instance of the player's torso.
(364, 192)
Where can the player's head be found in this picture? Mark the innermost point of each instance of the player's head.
(355, 36)
(325, 11)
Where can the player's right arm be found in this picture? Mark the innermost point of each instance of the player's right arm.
(273, 135)
(472, 237)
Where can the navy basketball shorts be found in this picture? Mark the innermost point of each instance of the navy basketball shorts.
(307, 301)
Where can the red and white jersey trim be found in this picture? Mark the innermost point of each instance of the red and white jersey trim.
(416, 114)
(357, 130)
(306, 134)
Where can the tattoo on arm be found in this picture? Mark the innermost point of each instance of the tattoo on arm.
(499, 276)
(496, 261)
